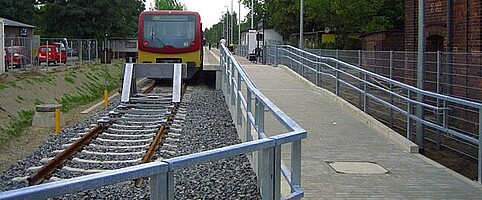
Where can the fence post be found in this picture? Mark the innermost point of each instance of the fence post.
(318, 68)
(439, 74)
(360, 98)
(479, 164)
(391, 88)
(47, 60)
(79, 54)
(365, 91)
(276, 55)
(337, 75)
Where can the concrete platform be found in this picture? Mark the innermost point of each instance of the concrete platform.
(340, 133)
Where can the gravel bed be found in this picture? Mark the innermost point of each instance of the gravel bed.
(207, 125)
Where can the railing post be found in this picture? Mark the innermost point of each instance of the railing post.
(238, 101)
(228, 75)
(296, 164)
(247, 133)
(233, 75)
(337, 75)
(265, 161)
(409, 119)
(260, 118)
(277, 172)
(162, 186)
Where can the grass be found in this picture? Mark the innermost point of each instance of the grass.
(92, 89)
(70, 77)
(86, 92)
(20, 99)
(15, 126)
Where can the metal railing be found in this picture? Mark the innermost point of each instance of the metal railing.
(377, 95)
(241, 97)
(265, 152)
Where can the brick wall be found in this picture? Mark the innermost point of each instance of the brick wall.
(466, 79)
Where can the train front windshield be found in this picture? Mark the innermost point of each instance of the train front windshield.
(177, 31)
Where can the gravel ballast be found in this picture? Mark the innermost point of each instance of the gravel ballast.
(207, 125)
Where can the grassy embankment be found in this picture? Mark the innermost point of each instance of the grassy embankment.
(73, 87)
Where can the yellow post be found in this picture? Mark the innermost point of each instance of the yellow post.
(106, 98)
(57, 120)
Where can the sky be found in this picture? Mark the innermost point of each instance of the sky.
(211, 11)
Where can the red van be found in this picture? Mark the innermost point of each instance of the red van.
(52, 54)
(16, 56)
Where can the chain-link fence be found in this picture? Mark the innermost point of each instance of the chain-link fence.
(28, 53)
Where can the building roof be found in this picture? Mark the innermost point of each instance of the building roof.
(8, 22)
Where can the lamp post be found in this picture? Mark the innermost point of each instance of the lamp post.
(239, 22)
(227, 23)
(301, 25)
(223, 20)
(252, 13)
(232, 26)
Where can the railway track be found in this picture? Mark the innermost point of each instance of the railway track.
(128, 135)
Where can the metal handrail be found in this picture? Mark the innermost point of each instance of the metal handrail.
(241, 96)
(334, 68)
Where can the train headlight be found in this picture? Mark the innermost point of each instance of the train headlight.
(193, 43)
(145, 43)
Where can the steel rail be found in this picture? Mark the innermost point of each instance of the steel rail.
(151, 150)
(46, 170)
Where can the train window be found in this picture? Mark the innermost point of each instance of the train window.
(177, 31)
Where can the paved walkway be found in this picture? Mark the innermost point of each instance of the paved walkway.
(339, 133)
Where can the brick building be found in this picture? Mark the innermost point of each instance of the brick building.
(453, 27)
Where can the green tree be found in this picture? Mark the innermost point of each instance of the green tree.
(168, 5)
(341, 16)
(90, 18)
(18, 10)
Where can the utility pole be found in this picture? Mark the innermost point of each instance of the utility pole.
(301, 25)
(421, 75)
(239, 22)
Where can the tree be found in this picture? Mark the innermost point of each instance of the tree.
(18, 10)
(90, 18)
(168, 5)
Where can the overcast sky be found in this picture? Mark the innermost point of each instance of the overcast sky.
(210, 10)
